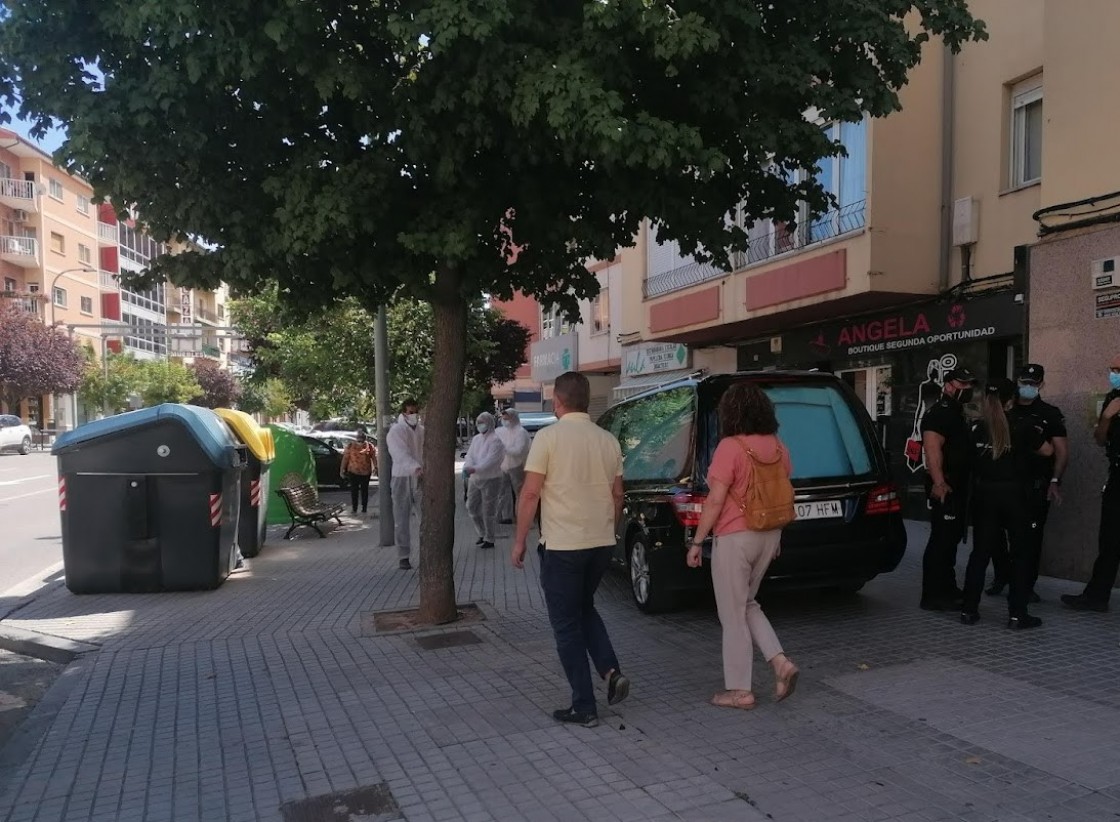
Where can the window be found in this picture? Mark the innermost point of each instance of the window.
(84, 254)
(9, 284)
(655, 433)
(83, 204)
(87, 305)
(553, 322)
(55, 189)
(1026, 133)
(58, 243)
(601, 312)
(60, 297)
(5, 171)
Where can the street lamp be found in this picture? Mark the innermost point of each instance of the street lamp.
(50, 294)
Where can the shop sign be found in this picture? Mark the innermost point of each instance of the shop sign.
(552, 357)
(1108, 305)
(652, 358)
(930, 324)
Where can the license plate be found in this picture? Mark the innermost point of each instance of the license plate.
(821, 509)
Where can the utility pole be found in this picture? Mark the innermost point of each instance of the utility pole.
(384, 420)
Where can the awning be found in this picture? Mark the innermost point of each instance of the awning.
(646, 381)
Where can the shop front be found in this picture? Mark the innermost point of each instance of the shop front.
(646, 365)
(895, 361)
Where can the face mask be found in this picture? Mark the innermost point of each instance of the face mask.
(964, 396)
(482, 428)
(1114, 380)
(505, 423)
(1028, 392)
(412, 419)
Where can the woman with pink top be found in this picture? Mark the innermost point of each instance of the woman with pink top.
(741, 556)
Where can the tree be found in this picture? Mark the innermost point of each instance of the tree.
(219, 387)
(448, 149)
(109, 385)
(166, 381)
(269, 397)
(35, 359)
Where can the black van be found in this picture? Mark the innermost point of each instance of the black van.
(849, 526)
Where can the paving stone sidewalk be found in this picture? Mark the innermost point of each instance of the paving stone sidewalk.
(266, 700)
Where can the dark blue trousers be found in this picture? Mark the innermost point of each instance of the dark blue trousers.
(569, 580)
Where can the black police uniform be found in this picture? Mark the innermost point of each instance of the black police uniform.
(1099, 588)
(1002, 504)
(948, 519)
(1051, 422)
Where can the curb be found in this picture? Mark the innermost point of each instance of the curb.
(43, 646)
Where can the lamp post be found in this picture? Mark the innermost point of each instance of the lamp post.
(50, 294)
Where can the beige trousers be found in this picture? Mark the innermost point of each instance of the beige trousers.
(739, 561)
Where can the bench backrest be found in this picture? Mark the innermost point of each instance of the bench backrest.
(302, 499)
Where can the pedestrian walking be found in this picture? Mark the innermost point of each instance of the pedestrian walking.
(749, 461)
(359, 464)
(1002, 502)
(516, 442)
(947, 445)
(405, 441)
(574, 471)
(483, 469)
(1098, 591)
(1045, 472)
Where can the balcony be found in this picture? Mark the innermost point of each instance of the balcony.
(24, 302)
(206, 316)
(107, 233)
(22, 194)
(210, 351)
(22, 251)
(777, 239)
(108, 281)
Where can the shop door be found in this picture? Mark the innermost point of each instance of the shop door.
(873, 387)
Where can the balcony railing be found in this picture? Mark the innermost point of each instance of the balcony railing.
(209, 316)
(780, 239)
(108, 280)
(22, 251)
(24, 302)
(107, 233)
(18, 193)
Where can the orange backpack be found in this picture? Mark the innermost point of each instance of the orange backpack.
(767, 501)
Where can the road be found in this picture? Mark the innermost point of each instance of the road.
(30, 541)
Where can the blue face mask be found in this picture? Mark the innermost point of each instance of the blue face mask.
(1114, 380)
(1028, 392)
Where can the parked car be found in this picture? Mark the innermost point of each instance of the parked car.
(14, 434)
(849, 523)
(328, 461)
(534, 421)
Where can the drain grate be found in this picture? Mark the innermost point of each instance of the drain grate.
(451, 639)
(369, 804)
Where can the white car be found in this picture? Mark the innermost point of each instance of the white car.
(14, 435)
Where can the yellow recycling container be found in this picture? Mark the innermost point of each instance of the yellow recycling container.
(252, 527)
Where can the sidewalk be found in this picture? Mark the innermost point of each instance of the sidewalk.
(270, 699)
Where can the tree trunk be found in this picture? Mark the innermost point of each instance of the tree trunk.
(437, 524)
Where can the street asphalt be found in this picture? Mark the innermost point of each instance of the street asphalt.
(275, 697)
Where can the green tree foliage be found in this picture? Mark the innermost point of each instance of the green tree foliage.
(167, 381)
(34, 358)
(109, 385)
(269, 397)
(450, 148)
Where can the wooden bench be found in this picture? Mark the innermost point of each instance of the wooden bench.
(304, 507)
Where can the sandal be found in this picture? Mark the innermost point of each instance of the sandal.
(786, 682)
(743, 700)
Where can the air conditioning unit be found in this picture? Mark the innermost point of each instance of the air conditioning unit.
(20, 216)
(1105, 273)
(966, 221)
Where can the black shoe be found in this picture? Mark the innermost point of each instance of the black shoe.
(353, 511)
(618, 688)
(479, 541)
(405, 565)
(1080, 602)
(1033, 598)
(486, 544)
(969, 617)
(1021, 623)
(570, 716)
(996, 588)
(505, 522)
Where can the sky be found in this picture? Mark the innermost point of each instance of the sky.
(51, 142)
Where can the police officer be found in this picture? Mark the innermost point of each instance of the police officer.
(948, 448)
(1107, 433)
(1002, 501)
(1032, 412)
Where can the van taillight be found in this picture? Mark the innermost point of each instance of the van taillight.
(883, 499)
(687, 507)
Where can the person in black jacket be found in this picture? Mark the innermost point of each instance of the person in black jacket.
(1002, 502)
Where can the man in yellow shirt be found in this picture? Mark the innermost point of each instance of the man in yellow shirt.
(574, 471)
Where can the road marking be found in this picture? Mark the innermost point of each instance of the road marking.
(34, 582)
(30, 494)
(25, 479)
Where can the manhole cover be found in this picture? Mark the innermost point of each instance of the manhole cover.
(451, 639)
(369, 804)
(379, 623)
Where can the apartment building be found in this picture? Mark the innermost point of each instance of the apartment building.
(48, 247)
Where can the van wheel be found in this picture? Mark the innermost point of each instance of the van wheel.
(646, 585)
(25, 446)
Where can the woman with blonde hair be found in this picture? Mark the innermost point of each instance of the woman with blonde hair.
(740, 556)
